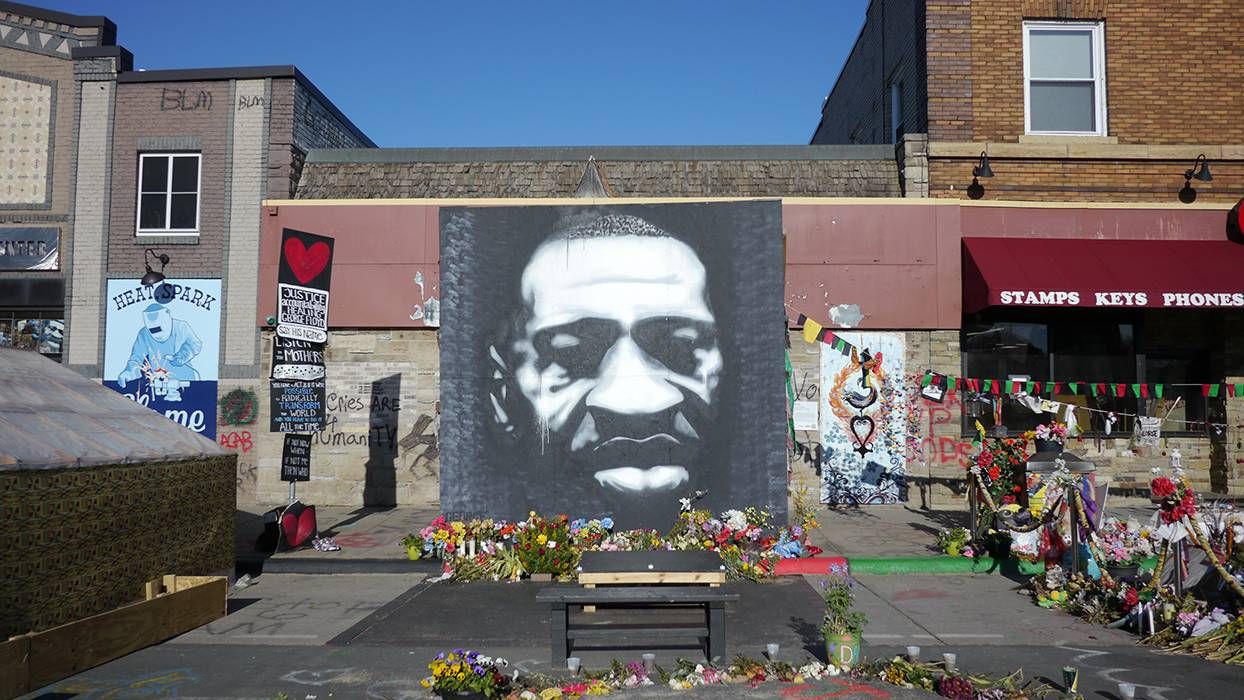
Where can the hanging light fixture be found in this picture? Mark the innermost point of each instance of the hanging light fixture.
(1200, 172)
(976, 190)
(152, 277)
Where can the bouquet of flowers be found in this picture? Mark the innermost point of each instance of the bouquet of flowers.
(996, 464)
(465, 671)
(589, 534)
(543, 545)
(1175, 496)
(1049, 432)
(1124, 544)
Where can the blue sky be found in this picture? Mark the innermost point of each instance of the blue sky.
(523, 72)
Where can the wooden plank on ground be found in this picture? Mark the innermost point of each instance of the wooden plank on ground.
(72, 648)
(652, 577)
(14, 672)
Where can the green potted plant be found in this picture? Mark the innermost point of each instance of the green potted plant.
(414, 546)
(842, 625)
(953, 541)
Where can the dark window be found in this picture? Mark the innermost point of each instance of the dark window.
(1179, 349)
(168, 196)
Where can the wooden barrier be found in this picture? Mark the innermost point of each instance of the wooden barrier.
(174, 605)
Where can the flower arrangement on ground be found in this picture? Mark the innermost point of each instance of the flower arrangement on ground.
(995, 466)
(1124, 544)
(746, 540)
(465, 671)
(543, 545)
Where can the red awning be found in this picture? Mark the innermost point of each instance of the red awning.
(1099, 273)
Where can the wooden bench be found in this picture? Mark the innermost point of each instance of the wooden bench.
(649, 569)
(710, 635)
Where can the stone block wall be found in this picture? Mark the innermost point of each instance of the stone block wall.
(380, 445)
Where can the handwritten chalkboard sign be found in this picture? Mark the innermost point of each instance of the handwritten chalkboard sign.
(296, 407)
(296, 458)
(297, 359)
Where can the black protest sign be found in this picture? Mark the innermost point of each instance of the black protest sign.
(297, 359)
(303, 277)
(296, 458)
(296, 407)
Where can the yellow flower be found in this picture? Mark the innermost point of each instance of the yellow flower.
(550, 693)
(425, 683)
(542, 538)
(797, 679)
(461, 676)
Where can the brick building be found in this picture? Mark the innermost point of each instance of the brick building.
(38, 155)
(1073, 100)
(114, 168)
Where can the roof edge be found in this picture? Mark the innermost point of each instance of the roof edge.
(880, 152)
(60, 17)
(184, 74)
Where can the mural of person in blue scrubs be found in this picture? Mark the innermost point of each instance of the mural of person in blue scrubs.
(163, 350)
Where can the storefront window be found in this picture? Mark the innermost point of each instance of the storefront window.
(42, 332)
(1180, 349)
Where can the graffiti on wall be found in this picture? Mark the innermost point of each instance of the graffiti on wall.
(161, 347)
(428, 309)
(864, 422)
(624, 365)
(239, 407)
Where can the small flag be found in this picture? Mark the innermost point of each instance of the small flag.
(1158, 390)
(952, 384)
(811, 329)
(1120, 390)
(995, 386)
(927, 380)
(1075, 387)
(1209, 390)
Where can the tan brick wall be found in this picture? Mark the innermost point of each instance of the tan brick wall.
(146, 110)
(1086, 180)
(384, 389)
(1173, 67)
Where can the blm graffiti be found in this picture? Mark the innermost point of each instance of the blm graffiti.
(864, 421)
(611, 360)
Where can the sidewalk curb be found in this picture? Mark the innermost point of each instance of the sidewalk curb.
(940, 564)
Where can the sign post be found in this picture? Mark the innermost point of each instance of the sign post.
(297, 384)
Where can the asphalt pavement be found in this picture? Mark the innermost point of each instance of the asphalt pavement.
(352, 634)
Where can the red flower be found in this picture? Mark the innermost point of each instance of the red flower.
(994, 473)
(1162, 487)
(1016, 488)
(1008, 500)
(1130, 598)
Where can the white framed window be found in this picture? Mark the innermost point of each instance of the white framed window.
(168, 193)
(1064, 78)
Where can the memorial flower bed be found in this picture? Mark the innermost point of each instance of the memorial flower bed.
(465, 673)
(747, 540)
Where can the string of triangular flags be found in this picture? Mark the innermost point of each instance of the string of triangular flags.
(1117, 390)
(814, 332)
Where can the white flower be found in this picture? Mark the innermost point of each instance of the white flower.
(1155, 471)
(552, 544)
(685, 503)
(734, 519)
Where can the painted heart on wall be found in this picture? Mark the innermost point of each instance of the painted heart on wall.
(306, 263)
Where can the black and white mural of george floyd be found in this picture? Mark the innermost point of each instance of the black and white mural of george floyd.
(610, 360)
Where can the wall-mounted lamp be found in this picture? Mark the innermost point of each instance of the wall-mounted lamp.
(152, 277)
(1199, 171)
(976, 190)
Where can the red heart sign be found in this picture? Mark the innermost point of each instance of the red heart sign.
(306, 263)
(298, 527)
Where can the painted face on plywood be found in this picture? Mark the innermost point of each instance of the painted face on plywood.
(618, 356)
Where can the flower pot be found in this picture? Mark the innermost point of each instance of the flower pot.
(842, 650)
(413, 553)
(1047, 445)
(953, 551)
(461, 695)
